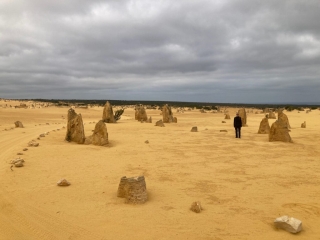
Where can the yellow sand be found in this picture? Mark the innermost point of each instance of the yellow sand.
(242, 184)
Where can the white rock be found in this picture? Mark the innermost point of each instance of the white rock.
(289, 224)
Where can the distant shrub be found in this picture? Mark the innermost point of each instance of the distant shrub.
(289, 108)
(118, 113)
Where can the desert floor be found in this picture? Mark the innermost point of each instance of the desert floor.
(242, 184)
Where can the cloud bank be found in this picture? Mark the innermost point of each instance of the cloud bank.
(210, 51)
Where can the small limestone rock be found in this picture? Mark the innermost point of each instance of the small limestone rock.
(194, 129)
(289, 224)
(175, 120)
(159, 123)
(42, 135)
(25, 149)
(146, 141)
(19, 153)
(223, 121)
(18, 164)
(17, 160)
(33, 144)
(196, 207)
(304, 124)
(18, 124)
(223, 130)
(63, 182)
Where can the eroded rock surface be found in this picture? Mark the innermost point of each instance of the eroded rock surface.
(107, 115)
(279, 132)
(264, 127)
(133, 189)
(75, 129)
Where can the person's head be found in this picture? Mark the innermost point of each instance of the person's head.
(237, 114)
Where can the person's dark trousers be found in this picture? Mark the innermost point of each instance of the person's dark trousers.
(238, 132)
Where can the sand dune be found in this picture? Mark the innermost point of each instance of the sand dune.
(242, 184)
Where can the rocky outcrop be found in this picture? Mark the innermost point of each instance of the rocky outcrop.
(133, 189)
(289, 224)
(75, 129)
(107, 115)
(264, 126)
(279, 132)
(141, 114)
(284, 118)
(243, 115)
(167, 115)
(227, 116)
(149, 120)
(99, 136)
(18, 124)
(304, 124)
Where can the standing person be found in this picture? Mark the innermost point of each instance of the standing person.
(237, 123)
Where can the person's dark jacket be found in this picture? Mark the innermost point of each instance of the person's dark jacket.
(237, 123)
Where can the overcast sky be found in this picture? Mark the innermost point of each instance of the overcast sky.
(245, 51)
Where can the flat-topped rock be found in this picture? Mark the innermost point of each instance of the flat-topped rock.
(133, 189)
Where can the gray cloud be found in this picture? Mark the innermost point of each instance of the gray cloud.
(212, 51)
